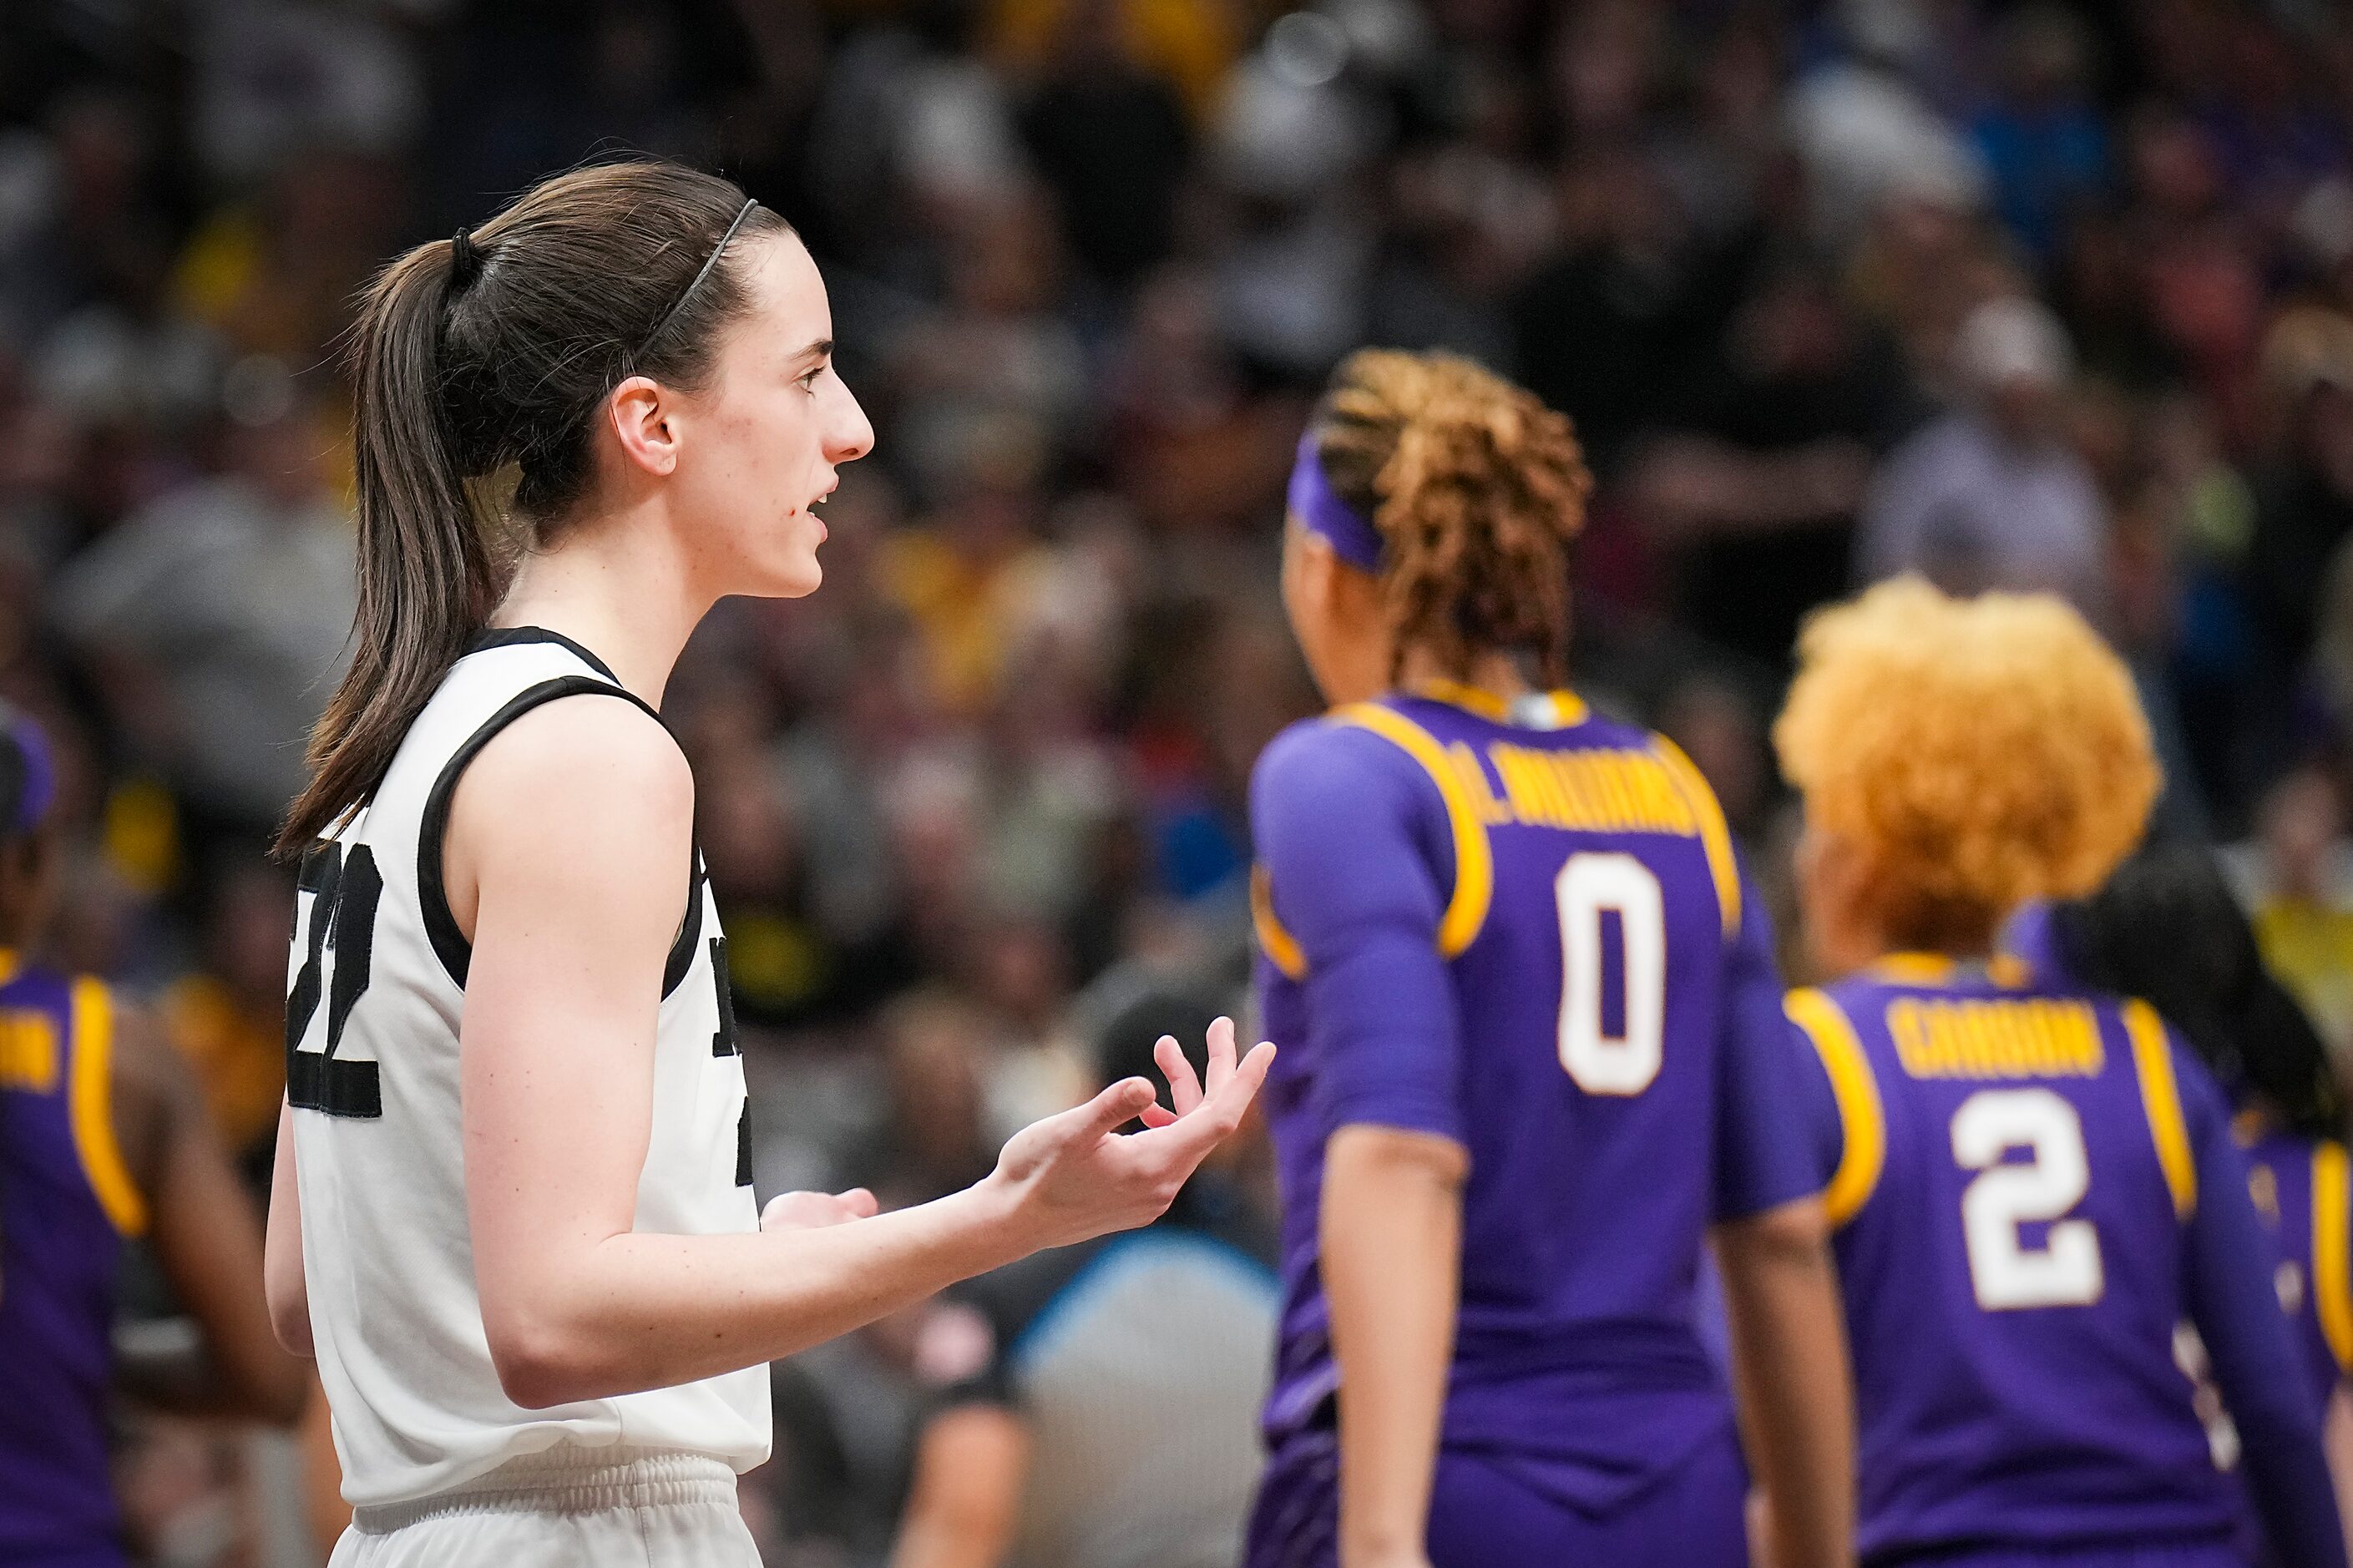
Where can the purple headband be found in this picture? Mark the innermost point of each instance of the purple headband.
(1318, 507)
(40, 782)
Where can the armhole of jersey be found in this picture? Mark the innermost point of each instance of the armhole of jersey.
(91, 1094)
(690, 927)
(1280, 946)
(450, 943)
(1715, 833)
(1474, 865)
(2160, 1097)
(1862, 1122)
(2332, 1268)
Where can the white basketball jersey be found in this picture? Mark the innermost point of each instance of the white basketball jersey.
(377, 990)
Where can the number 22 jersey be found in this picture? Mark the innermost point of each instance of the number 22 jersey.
(2035, 1190)
(376, 996)
(1523, 929)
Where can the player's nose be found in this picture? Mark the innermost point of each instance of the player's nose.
(848, 434)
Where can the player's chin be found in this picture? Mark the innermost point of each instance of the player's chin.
(788, 568)
(795, 578)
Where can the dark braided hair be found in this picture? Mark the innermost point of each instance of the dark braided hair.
(2166, 929)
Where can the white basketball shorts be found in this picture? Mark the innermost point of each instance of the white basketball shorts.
(569, 1508)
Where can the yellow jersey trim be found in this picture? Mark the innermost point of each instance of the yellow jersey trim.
(1938, 970)
(2332, 1269)
(1280, 946)
(1470, 699)
(2010, 972)
(1857, 1093)
(2161, 1097)
(28, 1050)
(1474, 863)
(1914, 969)
(1715, 833)
(1568, 708)
(90, 1095)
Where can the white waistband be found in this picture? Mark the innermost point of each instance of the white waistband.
(569, 1478)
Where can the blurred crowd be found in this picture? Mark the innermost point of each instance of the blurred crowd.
(2025, 295)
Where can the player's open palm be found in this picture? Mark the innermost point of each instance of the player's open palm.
(1072, 1176)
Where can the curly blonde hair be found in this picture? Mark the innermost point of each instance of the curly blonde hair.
(1978, 751)
(1476, 488)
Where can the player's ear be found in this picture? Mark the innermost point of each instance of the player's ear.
(643, 418)
(1307, 561)
(1834, 897)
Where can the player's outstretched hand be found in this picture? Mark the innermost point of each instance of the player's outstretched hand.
(815, 1211)
(1074, 1175)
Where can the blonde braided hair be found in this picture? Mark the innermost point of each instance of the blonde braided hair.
(1476, 488)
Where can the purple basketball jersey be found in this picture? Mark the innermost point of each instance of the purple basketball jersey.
(2299, 1188)
(2016, 1162)
(1581, 993)
(65, 1203)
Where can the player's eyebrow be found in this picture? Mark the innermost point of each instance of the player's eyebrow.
(817, 353)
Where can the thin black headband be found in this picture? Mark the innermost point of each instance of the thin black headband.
(709, 262)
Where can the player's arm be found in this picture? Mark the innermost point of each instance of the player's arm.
(205, 1237)
(1794, 1390)
(1392, 1261)
(971, 1463)
(1336, 812)
(1791, 1375)
(568, 842)
(2337, 1439)
(287, 1297)
(2229, 1268)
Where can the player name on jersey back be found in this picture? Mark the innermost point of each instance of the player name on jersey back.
(1600, 789)
(2035, 1038)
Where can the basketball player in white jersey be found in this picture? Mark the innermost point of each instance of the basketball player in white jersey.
(512, 1216)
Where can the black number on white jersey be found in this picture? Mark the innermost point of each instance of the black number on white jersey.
(725, 1042)
(343, 923)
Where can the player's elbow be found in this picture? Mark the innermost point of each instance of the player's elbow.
(542, 1363)
(1793, 1238)
(537, 1375)
(1363, 1152)
(289, 1313)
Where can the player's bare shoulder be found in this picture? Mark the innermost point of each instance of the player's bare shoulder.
(591, 770)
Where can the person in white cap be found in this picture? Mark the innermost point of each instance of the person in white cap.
(1991, 495)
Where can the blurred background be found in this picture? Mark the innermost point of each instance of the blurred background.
(2027, 294)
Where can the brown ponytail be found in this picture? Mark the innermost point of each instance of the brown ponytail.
(1476, 488)
(490, 354)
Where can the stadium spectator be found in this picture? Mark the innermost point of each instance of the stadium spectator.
(1990, 496)
(1103, 1400)
(2294, 874)
(216, 617)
